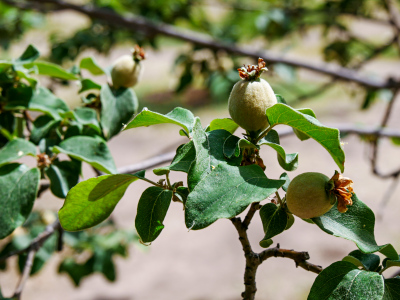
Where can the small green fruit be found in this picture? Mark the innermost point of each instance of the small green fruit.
(127, 69)
(250, 98)
(308, 195)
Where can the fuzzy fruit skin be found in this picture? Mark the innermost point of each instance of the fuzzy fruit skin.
(307, 196)
(248, 102)
(126, 72)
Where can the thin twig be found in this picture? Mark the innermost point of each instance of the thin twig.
(375, 141)
(151, 28)
(25, 273)
(386, 197)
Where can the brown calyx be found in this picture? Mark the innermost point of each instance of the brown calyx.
(252, 158)
(252, 72)
(138, 53)
(343, 191)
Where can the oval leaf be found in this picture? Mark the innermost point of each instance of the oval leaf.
(274, 222)
(152, 208)
(343, 280)
(16, 149)
(92, 150)
(178, 116)
(328, 137)
(92, 201)
(117, 109)
(19, 186)
(356, 225)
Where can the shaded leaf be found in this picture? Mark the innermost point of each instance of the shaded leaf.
(343, 280)
(42, 127)
(19, 186)
(29, 55)
(288, 162)
(117, 109)
(92, 201)
(63, 176)
(356, 225)
(274, 222)
(392, 289)
(92, 150)
(185, 155)
(369, 262)
(285, 176)
(327, 137)
(16, 149)
(42, 100)
(152, 208)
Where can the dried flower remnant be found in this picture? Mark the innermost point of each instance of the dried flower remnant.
(252, 72)
(343, 191)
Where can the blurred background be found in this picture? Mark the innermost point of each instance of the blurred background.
(338, 57)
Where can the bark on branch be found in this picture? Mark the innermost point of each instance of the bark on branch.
(151, 28)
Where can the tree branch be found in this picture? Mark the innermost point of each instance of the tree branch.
(150, 28)
(300, 258)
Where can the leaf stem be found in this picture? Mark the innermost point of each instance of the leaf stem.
(263, 134)
(168, 182)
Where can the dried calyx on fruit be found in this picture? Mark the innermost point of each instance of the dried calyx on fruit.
(311, 194)
(250, 98)
(127, 69)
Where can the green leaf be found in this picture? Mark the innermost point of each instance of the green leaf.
(227, 124)
(87, 116)
(234, 144)
(90, 64)
(226, 192)
(152, 208)
(288, 162)
(274, 221)
(77, 271)
(42, 127)
(219, 187)
(356, 225)
(370, 262)
(328, 137)
(16, 149)
(280, 99)
(63, 176)
(117, 109)
(343, 280)
(285, 176)
(185, 155)
(387, 263)
(209, 153)
(19, 186)
(178, 116)
(29, 55)
(92, 201)
(88, 84)
(392, 289)
(92, 150)
(42, 100)
(50, 69)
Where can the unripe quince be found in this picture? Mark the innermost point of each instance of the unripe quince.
(127, 69)
(250, 98)
(308, 195)
(311, 194)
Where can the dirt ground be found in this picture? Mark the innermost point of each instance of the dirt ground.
(209, 264)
